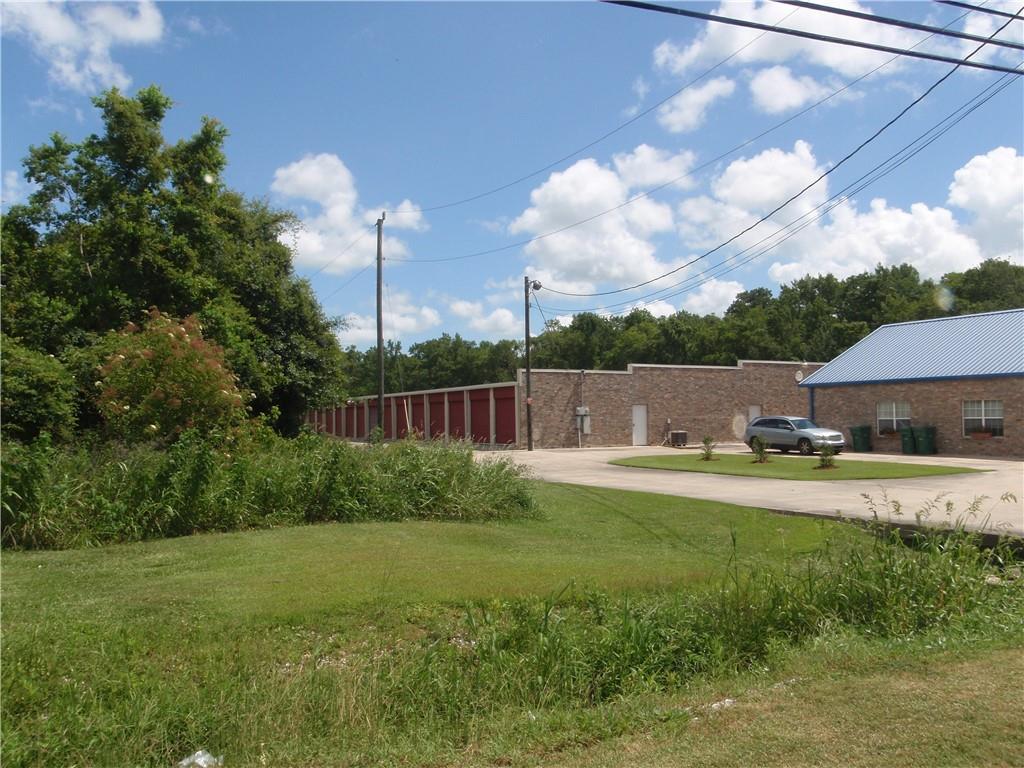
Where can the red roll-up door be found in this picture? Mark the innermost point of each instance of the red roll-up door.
(389, 409)
(436, 414)
(417, 414)
(480, 415)
(457, 415)
(401, 403)
(361, 419)
(505, 415)
(373, 415)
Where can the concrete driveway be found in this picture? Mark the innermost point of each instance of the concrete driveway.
(590, 466)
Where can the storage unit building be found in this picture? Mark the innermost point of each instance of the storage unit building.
(638, 406)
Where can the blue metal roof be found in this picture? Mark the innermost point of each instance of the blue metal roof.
(969, 346)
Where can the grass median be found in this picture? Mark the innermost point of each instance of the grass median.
(789, 467)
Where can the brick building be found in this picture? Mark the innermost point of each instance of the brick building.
(963, 375)
(640, 405)
(633, 407)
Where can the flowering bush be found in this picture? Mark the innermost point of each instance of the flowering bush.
(163, 378)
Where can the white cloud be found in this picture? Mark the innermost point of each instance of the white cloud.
(76, 40)
(339, 237)
(760, 183)
(716, 41)
(713, 297)
(498, 323)
(776, 90)
(687, 110)
(615, 247)
(640, 90)
(194, 25)
(405, 215)
(658, 308)
(991, 186)
(402, 317)
(15, 189)
(930, 239)
(847, 240)
(647, 166)
(466, 309)
(705, 222)
(746, 190)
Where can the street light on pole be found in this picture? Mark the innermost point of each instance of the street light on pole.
(528, 285)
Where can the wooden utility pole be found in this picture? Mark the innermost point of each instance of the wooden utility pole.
(380, 321)
(527, 285)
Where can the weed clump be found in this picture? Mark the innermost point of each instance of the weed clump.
(62, 498)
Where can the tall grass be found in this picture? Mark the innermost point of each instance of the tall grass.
(588, 649)
(61, 498)
(578, 663)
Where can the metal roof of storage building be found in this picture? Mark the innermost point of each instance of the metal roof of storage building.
(969, 346)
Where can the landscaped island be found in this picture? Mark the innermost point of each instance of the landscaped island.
(789, 467)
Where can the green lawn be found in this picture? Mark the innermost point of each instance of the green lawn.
(283, 647)
(781, 467)
(139, 654)
(598, 537)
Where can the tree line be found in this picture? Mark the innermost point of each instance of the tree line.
(814, 318)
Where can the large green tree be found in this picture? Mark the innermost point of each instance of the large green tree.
(123, 221)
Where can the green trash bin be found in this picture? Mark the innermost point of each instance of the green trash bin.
(907, 440)
(924, 440)
(861, 438)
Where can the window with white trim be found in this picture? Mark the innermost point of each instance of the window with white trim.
(892, 416)
(983, 416)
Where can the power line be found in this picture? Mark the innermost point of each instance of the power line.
(343, 251)
(536, 301)
(670, 182)
(854, 187)
(823, 175)
(598, 140)
(887, 166)
(657, 188)
(980, 9)
(347, 282)
(812, 35)
(886, 20)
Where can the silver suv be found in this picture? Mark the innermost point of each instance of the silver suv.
(793, 433)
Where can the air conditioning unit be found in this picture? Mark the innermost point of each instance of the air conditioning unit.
(677, 438)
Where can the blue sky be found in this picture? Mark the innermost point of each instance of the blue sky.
(340, 110)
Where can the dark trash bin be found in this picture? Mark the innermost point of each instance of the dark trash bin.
(860, 437)
(907, 439)
(924, 440)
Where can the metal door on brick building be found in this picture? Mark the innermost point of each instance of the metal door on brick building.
(639, 425)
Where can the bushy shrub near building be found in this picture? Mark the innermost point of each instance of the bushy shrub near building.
(38, 394)
(160, 379)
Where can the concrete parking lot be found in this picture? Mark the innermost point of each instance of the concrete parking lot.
(590, 466)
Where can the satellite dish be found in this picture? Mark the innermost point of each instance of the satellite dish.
(799, 376)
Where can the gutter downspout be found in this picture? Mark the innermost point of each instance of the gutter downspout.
(810, 400)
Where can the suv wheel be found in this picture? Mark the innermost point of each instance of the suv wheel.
(805, 447)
